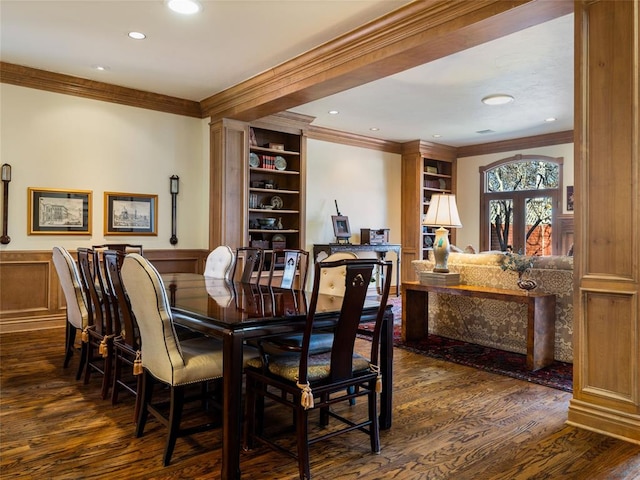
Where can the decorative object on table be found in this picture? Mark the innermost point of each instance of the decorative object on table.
(443, 212)
(341, 228)
(276, 202)
(370, 236)
(59, 212)
(254, 160)
(130, 214)
(280, 163)
(173, 189)
(6, 178)
(522, 265)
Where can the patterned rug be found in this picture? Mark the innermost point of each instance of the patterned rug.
(558, 375)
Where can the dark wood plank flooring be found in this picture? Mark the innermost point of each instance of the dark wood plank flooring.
(450, 422)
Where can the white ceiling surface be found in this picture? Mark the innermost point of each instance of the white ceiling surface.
(194, 57)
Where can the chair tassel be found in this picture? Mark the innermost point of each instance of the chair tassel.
(85, 336)
(306, 399)
(137, 364)
(376, 370)
(102, 349)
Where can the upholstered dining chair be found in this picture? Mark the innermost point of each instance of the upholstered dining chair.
(332, 279)
(305, 381)
(251, 261)
(121, 247)
(219, 262)
(77, 309)
(165, 359)
(99, 332)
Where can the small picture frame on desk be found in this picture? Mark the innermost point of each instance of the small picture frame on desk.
(341, 227)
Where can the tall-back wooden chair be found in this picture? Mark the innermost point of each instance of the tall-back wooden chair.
(251, 261)
(304, 381)
(293, 264)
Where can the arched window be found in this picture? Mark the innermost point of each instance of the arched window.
(520, 200)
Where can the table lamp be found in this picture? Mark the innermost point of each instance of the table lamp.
(442, 213)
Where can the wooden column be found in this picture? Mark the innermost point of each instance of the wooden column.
(606, 396)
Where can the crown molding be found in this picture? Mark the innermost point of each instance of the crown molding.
(516, 144)
(81, 87)
(355, 140)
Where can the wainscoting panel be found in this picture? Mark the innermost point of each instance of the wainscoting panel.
(30, 294)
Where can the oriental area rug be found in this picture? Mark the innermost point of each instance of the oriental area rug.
(558, 375)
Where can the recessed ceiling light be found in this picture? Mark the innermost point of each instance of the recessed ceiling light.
(101, 68)
(333, 112)
(374, 129)
(497, 99)
(436, 135)
(137, 35)
(186, 7)
(550, 119)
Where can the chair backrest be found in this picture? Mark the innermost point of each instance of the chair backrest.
(128, 329)
(120, 247)
(77, 310)
(92, 277)
(359, 273)
(219, 262)
(332, 279)
(252, 261)
(161, 353)
(294, 264)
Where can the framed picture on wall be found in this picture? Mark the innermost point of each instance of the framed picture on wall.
(130, 214)
(58, 212)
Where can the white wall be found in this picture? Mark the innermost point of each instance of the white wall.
(468, 187)
(64, 142)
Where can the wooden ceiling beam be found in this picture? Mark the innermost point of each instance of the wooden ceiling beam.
(413, 35)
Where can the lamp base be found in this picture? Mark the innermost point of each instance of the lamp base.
(441, 250)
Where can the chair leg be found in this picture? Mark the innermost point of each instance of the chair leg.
(303, 443)
(252, 410)
(117, 374)
(70, 339)
(83, 359)
(175, 415)
(374, 428)
(145, 394)
(136, 408)
(107, 366)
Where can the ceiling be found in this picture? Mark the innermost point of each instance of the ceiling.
(194, 57)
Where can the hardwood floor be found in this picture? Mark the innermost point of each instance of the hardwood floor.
(450, 422)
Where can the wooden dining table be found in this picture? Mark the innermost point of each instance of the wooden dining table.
(236, 313)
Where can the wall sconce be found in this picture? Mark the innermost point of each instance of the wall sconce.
(6, 178)
(173, 189)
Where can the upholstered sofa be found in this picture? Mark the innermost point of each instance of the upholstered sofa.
(496, 323)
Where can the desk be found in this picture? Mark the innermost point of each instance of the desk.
(541, 315)
(380, 249)
(235, 313)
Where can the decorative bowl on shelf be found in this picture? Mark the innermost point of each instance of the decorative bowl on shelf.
(267, 222)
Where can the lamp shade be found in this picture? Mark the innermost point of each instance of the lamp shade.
(443, 212)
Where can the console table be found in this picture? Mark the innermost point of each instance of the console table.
(541, 315)
(380, 249)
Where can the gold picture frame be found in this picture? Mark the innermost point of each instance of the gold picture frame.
(58, 211)
(130, 214)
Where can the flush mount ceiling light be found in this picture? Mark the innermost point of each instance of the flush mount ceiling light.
(374, 129)
(497, 99)
(333, 112)
(186, 7)
(137, 35)
(550, 119)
